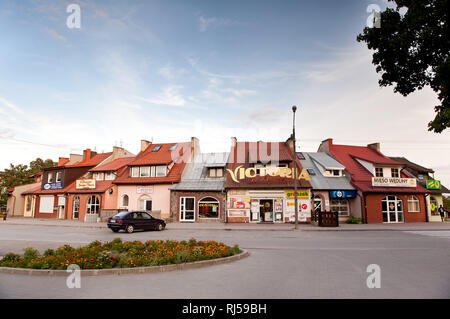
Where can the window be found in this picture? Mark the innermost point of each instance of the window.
(392, 208)
(395, 172)
(152, 171)
(311, 171)
(58, 177)
(29, 201)
(173, 147)
(135, 172)
(301, 156)
(161, 171)
(125, 200)
(336, 172)
(333, 172)
(340, 206)
(76, 207)
(378, 171)
(413, 204)
(145, 171)
(215, 172)
(208, 208)
(187, 208)
(145, 204)
(50, 177)
(434, 206)
(93, 205)
(110, 176)
(99, 176)
(157, 148)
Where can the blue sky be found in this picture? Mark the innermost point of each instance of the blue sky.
(168, 70)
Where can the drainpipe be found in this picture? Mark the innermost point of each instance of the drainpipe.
(426, 207)
(363, 208)
(14, 204)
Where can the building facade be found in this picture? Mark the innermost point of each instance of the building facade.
(388, 193)
(260, 183)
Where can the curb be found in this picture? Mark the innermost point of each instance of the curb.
(125, 271)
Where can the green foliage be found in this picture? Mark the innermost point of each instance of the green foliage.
(353, 220)
(121, 254)
(412, 51)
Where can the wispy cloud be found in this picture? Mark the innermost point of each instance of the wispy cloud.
(10, 105)
(206, 23)
(54, 34)
(169, 96)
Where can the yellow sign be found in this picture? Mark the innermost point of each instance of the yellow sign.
(300, 194)
(251, 172)
(85, 183)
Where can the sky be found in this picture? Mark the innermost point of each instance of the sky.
(168, 70)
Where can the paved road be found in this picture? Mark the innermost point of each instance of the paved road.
(283, 264)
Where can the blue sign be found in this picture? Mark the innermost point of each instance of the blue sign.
(342, 194)
(53, 186)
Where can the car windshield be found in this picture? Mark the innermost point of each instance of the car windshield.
(121, 215)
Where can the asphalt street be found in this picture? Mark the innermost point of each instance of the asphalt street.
(282, 264)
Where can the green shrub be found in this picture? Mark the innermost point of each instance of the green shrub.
(49, 252)
(353, 220)
(30, 253)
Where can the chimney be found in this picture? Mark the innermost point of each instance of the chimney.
(144, 145)
(62, 161)
(325, 145)
(233, 142)
(88, 154)
(119, 152)
(75, 158)
(374, 146)
(195, 146)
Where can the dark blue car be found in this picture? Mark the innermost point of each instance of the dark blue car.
(130, 221)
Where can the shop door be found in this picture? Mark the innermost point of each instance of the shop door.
(392, 209)
(187, 209)
(266, 210)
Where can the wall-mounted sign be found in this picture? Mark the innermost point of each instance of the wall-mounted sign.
(53, 186)
(85, 183)
(300, 194)
(342, 194)
(240, 173)
(393, 182)
(237, 213)
(433, 184)
(144, 190)
(238, 202)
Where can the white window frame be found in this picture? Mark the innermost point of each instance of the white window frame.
(90, 205)
(143, 170)
(99, 176)
(135, 171)
(76, 200)
(58, 177)
(46, 204)
(122, 203)
(50, 177)
(413, 200)
(109, 176)
(161, 171)
(208, 202)
(182, 209)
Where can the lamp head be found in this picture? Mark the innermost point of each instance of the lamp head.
(294, 108)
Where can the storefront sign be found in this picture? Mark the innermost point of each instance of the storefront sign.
(433, 184)
(240, 173)
(144, 190)
(53, 186)
(237, 213)
(342, 194)
(85, 183)
(237, 203)
(300, 194)
(393, 182)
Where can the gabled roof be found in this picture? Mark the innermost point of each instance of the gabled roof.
(113, 166)
(162, 156)
(195, 176)
(418, 168)
(319, 161)
(95, 160)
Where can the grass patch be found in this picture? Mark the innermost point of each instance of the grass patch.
(118, 254)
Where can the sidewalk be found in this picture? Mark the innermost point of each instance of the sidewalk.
(435, 226)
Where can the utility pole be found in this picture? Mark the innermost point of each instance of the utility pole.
(294, 108)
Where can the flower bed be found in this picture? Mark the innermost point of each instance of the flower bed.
(118, 254)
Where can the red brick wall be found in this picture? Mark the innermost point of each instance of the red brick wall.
(83, 202)
(375, 212)
(175, 202)
(238, 219)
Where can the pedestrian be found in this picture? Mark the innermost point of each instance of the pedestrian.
(441, 211)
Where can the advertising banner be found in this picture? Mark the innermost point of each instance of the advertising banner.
(393, 182)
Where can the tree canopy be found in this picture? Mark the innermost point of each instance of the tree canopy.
(413, 51)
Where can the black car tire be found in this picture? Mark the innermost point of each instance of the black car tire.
(159, 227)
(130, 229)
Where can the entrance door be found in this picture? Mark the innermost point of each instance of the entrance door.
(392, 209)
(266, 210)
(61, 212)
(187, 209)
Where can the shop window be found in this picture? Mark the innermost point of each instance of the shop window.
(434, 205)
(395, 172)
(93, 205)
(187, 209)
(340, 206)
(379, 172)
(76, 207)
(208, 208)
(413, 204)
(125, 200)
(392, 209)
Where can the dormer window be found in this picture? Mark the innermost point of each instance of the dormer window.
(215, 172)
(311, 171)
(50, 177)
(109, 176)
(379, 172)
(395, 172)
(58, 177)
(333, 172)
(156, 148)
(99, 176)
(161, 171)
(149, 171)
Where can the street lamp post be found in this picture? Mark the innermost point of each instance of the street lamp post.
(294, 108)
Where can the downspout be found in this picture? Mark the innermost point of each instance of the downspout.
(14, 204)
(363, 208)
(426, 207)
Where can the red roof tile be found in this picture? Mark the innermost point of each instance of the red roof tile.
(97, 159)
(100, 187)
(163, 155)
(114, 165)
(174, 176)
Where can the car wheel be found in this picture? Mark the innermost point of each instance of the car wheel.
(160, 227)
(130, 229)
